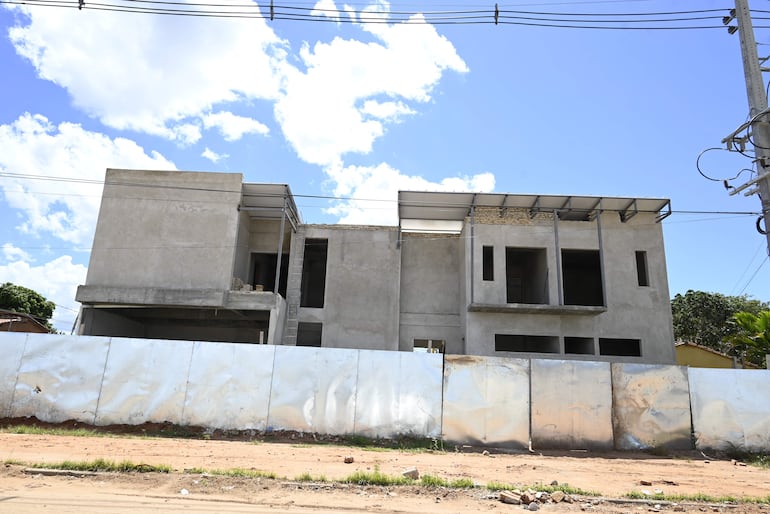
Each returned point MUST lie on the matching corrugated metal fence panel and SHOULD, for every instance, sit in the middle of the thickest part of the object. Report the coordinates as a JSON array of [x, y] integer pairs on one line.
[[59, 377], [313, 390], [144, 381], [229, 386], [486, 401], [651, 407], [730, 408], [12, 345], [571, 404], [398, 394]]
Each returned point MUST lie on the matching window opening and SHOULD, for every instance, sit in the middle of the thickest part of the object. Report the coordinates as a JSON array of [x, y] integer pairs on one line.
[[526, 275], [582, 277], [309, 334], [263, 272], [579, 345], [526, 343], [642, 277], [314, 273], [429, 345], [488, 262], [620, 347]]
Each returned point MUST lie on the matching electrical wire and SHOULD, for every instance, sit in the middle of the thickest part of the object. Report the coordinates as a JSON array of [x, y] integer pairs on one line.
[[28, 176], [754, 274], [288, 12], [697, 165]]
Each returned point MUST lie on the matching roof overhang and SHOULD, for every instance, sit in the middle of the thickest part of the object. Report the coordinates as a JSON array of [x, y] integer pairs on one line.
[[418, 208], [270, 202]]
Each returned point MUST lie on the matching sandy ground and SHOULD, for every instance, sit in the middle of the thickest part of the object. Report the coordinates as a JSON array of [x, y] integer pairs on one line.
[[610, 475]]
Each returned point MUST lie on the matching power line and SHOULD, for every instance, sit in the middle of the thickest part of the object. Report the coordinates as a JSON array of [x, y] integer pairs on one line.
[[27, 176], [287, 12]]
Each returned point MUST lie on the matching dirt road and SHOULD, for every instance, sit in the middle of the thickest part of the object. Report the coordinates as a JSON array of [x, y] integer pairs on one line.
[[610, 475]]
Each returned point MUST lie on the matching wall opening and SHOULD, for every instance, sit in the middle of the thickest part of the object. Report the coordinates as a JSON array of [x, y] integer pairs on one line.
[[263, 272], [309, 334], [488, 262], [579, 345], [526, 343], [526, 275], [642, 277], [582, 277], [313, 287], [620, 347], [429, 345]]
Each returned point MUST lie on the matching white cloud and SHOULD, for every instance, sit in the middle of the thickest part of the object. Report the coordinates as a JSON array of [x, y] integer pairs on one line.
[[57, 280], [351, 88], [13, 253], [57, 205], [375, 191], [213, 156], [186, 133], [232, 126], [154, 74], [325, 8], [391, 111]]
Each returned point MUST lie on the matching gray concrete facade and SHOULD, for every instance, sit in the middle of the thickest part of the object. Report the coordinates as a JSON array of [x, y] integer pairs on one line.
[[193, 256]]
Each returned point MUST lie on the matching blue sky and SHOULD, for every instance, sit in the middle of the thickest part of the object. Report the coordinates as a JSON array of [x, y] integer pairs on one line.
[[361, 110]]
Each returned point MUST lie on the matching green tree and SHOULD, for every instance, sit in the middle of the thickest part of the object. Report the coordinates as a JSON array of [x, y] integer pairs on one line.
[[752, 340], [21, 299], [707, 318]]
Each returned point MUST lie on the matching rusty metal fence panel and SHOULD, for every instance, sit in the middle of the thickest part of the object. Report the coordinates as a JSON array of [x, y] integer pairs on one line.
[[144, 381], [486, 401], [228, 386], [571, 404], [59, 377], [398, 394], [651, 407], [313, 390], [730, 409]]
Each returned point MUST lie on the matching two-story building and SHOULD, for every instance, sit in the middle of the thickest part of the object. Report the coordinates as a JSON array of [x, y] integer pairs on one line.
[[204, 256]]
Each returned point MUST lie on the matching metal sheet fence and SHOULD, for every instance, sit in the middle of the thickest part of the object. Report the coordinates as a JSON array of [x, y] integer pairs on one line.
[[651, 407], [486, 401], [571, 404], [12, 350], [477, 400], [730, 409]]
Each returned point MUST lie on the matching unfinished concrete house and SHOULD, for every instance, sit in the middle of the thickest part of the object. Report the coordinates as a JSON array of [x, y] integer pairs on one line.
[[203, 256]]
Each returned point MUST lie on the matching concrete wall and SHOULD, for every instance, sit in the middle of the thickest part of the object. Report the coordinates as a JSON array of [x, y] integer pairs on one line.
[[632, 307], [166, 229], [553, 404], [361, 308], [631, 312], [430, 290]]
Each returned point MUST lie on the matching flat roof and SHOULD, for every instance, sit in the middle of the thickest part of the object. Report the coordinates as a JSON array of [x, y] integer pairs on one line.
[[425, 205]]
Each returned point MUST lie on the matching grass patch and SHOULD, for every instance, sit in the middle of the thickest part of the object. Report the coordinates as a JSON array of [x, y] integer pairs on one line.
[[307, 477], [242, 473], [565, 488], [434, 481], [105, 465], [36, 430], [375, 477], [697, 497], [760, 461], [404, 444]]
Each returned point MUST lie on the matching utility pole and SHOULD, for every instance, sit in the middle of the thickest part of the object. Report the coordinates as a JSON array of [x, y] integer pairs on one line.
[[758, 126]]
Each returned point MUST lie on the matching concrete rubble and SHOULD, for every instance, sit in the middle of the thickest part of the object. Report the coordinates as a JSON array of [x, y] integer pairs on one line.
[[533, 499]]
